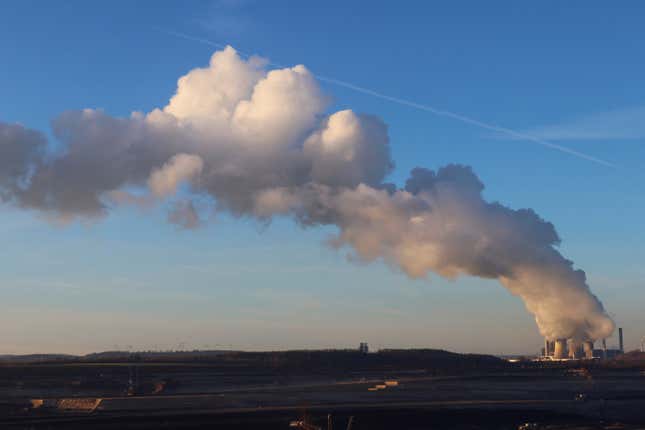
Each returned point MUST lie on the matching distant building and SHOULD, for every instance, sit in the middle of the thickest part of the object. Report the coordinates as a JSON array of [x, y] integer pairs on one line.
[[363, 348], [571, 349]]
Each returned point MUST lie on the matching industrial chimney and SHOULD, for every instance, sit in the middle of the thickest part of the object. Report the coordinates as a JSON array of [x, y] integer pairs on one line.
[[604, 349], [620, 339]]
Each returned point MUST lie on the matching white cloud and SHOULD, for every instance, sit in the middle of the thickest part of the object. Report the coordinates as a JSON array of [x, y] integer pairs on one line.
[[349, 149], [164, 181], [284, 105], [260, 145], [211, 94]]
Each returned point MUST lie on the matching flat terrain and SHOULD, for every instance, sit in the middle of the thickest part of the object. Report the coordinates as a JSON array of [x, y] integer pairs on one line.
[[237, 395]]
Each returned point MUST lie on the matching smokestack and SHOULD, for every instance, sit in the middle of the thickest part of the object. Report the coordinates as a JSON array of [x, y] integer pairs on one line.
[[604, 349], [560, 349], [620, 339], [546, 348], [587, 346]]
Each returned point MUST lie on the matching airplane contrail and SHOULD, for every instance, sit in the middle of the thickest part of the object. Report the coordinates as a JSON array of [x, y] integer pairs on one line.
[[418, 106]]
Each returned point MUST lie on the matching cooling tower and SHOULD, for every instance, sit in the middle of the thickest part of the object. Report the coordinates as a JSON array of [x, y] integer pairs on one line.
[[560, 349], [587, 347], [574, 349]]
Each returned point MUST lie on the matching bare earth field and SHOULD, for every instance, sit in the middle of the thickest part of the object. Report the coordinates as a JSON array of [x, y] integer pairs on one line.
[[216, 395]]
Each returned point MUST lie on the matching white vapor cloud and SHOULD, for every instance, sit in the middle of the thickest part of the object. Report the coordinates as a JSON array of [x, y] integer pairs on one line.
[[181, 167], [511, 133], [261, 143]]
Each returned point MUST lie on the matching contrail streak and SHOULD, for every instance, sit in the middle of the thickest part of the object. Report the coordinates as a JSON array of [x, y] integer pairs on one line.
[[418, 106]]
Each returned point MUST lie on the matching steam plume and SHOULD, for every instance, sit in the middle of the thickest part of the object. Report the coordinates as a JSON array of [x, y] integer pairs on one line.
[[262, 144]]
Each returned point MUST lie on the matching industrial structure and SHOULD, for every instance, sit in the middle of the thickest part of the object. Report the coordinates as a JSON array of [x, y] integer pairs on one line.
[[571, 349]]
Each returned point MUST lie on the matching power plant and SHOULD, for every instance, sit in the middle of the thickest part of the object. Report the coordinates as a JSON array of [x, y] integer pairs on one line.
[[572, 349]]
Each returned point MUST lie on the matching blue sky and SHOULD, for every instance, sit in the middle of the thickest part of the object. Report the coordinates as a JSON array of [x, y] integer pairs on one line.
[[571, 74]]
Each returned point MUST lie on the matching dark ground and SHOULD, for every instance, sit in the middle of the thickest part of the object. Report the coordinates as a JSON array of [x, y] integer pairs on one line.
[[436, 390], [364, 418]]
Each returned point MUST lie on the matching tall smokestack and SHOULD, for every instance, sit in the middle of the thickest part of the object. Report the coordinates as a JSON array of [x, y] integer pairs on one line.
[[604, 349], [620, 339], [560, 349]]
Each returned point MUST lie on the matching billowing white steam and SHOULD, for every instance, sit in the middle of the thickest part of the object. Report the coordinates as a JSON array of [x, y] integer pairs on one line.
[[261, 144]]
